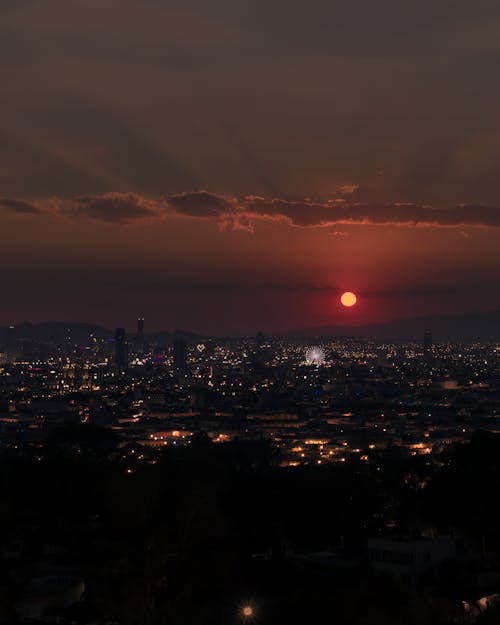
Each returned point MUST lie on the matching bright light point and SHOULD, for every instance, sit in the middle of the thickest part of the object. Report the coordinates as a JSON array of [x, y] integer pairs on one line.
[[348, 299], [248, 611]]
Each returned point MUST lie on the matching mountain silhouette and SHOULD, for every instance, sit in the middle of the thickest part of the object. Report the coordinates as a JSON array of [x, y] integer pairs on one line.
[[453, 327]]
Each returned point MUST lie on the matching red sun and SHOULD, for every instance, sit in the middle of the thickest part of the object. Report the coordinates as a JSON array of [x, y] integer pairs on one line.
[[348, 299]]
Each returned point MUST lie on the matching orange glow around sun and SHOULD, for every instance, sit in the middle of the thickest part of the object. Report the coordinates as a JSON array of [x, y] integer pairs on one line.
[[348, 299]]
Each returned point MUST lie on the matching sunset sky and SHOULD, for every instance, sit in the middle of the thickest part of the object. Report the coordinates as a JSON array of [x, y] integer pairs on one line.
[[228, 166]]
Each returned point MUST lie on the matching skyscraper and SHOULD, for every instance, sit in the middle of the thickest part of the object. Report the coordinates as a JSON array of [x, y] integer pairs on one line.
[[120, 349], [180, 354], [10, 343], [139, 341]]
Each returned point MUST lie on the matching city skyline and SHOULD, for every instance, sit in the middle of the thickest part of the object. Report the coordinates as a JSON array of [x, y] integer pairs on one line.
[[459, 328]]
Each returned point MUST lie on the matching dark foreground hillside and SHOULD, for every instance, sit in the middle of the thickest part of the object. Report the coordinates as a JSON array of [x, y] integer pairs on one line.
[[221, 534]]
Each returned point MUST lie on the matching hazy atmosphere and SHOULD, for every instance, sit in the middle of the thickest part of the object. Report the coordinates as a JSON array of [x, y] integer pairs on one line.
[[225, 167]]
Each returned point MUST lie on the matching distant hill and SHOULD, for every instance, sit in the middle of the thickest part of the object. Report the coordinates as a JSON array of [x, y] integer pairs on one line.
[[57, 331], [455, 327], [463, 327]]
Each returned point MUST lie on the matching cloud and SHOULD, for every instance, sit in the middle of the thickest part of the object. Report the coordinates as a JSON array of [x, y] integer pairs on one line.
[[348, 189], [243, 214], [114, 208], [18, 206], [234, 214], [201, 204], [74, 92]]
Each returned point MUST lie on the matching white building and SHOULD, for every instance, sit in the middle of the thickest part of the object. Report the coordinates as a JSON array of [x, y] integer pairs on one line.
[[408, 558]]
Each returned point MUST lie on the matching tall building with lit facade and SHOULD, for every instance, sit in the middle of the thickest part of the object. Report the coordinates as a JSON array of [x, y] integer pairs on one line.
[[139, 340], [10, 343], [180, 354]]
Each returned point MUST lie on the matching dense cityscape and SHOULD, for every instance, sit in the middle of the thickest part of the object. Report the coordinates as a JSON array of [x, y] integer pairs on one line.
[[250, 315], [333, 461], [314, 402]]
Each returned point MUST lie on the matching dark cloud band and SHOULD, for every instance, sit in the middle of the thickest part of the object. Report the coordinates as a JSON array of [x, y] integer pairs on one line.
[[244, 213], [18, 206]]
